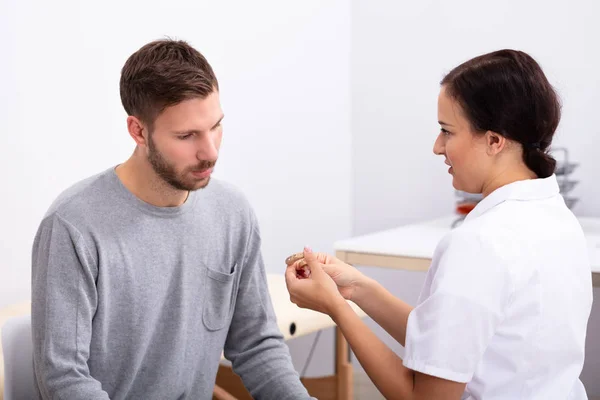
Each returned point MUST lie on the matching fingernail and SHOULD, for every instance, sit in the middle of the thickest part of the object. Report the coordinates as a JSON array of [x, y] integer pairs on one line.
[[307, 249]]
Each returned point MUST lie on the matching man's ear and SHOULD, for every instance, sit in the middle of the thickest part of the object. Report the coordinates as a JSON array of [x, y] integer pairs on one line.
[[137, 130]]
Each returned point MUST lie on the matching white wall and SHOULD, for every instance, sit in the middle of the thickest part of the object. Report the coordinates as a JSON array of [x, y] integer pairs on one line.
[[284, 74], [284, 70], [400, 52]]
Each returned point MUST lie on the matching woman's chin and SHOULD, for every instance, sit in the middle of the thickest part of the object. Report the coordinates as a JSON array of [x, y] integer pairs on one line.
[[455, 184]]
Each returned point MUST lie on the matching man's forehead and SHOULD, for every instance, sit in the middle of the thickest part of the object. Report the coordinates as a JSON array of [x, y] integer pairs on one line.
[[191, 114]]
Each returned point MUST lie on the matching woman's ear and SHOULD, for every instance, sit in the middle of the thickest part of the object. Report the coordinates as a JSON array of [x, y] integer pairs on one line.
[[495, 142]]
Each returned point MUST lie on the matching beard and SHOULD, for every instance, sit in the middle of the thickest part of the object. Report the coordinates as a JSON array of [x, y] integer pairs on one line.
[[168, 172]]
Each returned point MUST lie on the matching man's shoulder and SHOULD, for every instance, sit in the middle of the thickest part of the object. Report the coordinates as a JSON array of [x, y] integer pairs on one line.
[[80, 198]]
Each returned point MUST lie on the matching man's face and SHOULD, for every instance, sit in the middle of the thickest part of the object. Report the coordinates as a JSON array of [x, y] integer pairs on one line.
[[184, 145]]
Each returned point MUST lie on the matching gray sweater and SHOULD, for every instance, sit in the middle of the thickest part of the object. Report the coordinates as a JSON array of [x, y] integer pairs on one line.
[[133, 301]]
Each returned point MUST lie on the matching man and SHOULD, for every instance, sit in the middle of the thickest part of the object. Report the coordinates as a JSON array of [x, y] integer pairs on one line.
[[139, 279]]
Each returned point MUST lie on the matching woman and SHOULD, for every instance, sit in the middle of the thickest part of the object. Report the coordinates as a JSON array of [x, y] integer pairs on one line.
[[505, 304]]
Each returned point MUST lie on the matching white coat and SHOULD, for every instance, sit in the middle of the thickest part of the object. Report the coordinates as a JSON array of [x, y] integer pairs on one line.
[[506, 301]]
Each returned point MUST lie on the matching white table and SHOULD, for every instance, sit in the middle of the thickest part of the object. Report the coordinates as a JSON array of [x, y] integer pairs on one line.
[[411, 246]]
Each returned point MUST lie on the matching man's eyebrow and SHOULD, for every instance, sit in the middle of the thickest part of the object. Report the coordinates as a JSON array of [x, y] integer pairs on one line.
[[195, 131]]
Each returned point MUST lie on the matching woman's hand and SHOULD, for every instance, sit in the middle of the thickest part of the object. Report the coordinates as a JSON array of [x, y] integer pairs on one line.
[[315, 290], [346, 277]]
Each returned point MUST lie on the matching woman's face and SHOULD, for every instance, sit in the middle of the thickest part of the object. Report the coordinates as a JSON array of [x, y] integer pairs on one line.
[[464, 150]]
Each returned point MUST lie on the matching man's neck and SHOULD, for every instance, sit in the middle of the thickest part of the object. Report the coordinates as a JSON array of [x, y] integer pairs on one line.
[[140, 179]]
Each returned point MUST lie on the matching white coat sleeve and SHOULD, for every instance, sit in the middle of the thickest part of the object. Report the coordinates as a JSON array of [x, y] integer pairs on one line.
[[466, 293]]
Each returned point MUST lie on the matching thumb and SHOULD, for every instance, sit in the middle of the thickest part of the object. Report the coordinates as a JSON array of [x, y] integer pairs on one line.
[[311, 259]]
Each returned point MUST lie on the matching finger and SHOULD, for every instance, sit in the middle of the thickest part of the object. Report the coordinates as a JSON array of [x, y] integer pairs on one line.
[[302, 269], [303, 272], [300, 264], [323, 258], [290, 277], [311, 260]]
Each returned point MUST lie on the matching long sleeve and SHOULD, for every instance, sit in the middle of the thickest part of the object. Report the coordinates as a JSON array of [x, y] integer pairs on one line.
[[64, 301], [254, 343]]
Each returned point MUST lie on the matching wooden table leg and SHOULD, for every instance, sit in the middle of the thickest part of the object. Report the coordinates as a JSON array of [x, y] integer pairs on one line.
[[221, 394], [339, 386], [343, 367]]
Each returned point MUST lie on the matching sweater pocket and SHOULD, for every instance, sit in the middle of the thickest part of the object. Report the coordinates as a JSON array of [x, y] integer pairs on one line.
[[218, 299]]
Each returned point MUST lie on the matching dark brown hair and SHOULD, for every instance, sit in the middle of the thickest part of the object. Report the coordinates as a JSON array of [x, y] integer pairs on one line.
[[507, 92], [161, 74]]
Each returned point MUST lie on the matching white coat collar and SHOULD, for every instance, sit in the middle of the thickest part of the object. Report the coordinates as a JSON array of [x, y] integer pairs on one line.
[[526, 190]]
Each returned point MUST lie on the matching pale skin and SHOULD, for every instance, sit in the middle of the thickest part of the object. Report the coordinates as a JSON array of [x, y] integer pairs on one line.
[[186, 137], [480, 162]]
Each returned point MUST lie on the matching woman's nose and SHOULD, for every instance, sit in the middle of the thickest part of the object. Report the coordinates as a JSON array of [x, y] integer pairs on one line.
[[438, 146]]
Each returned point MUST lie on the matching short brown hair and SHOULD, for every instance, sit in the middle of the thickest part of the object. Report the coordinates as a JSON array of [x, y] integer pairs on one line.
[[163, 73]]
